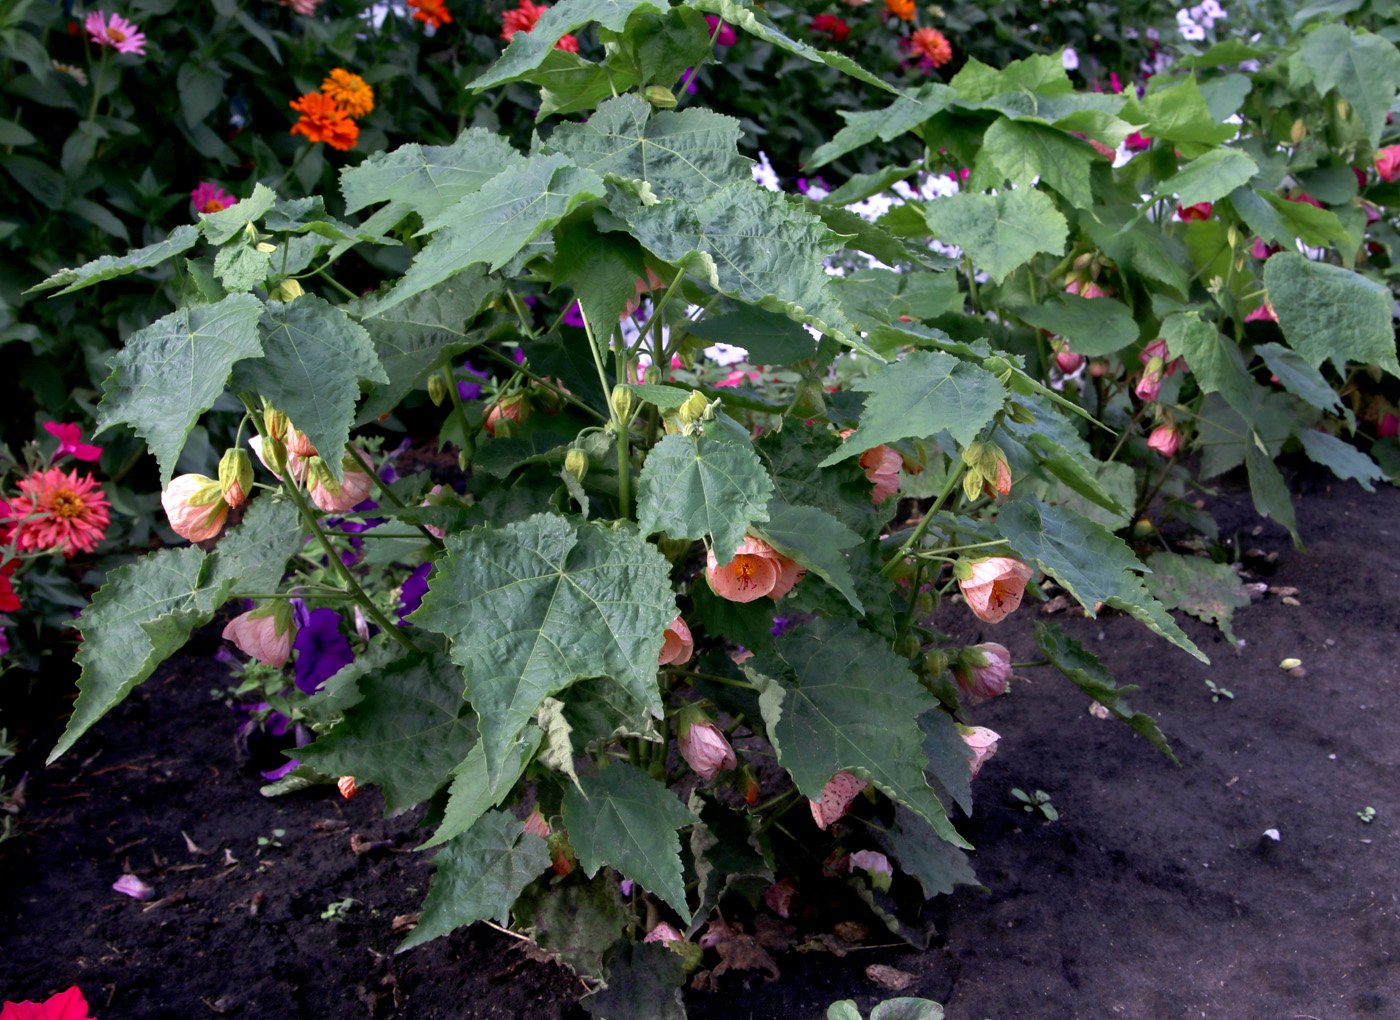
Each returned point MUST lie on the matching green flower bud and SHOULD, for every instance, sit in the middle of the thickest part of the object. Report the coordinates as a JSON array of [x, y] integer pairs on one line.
[[810, 399], [673, 549], [935, 663], [1021, 414], [274, 455], [287, 290], [621, 402], [576, 463], [437, 389], [660, 97], [235, 476], [695, 408], [505, 428], [652, 375], [275, 422], [908, 646]]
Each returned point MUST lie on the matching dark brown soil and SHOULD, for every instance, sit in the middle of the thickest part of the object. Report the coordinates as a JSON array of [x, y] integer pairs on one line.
[[1155, 896]]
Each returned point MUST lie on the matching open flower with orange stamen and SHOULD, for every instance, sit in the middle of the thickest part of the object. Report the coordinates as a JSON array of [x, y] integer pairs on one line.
[[323, 120], [756, 569], [349, 91], [432, 13], [208, 197], [60, 511], [932, 45], [993, 587]]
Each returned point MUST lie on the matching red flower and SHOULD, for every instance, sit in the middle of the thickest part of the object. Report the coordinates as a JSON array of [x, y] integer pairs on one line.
[[9, 601], [832, 27], [1199, 211], [524, 18], [70, 441], [69, 1005], [432, 13]]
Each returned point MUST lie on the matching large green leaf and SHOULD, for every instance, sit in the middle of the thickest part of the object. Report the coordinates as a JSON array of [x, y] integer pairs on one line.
[[1041, 74], [644, 983], [182, 238], [839, 700], [410, 727], [769, 338], [1276, 219], [1021, 152], [1209, 177], [728, 847], [576, 921], [479, 876], [1091, 326], [683, 155], [904, 114], [754, 245], [527, 50], [794, 458], [219, 226], [1364, 69], [999, 232], [314, 356], [922, 395], [1129, 241], [693, 485], [171, 372], [1269, 490], [508, 212], [937, 865], [142, 615], [473, 793], [428, 179], [1089, 561], [624, 819], [1197, 585], [1329, 312], [1086, 672], [1080, 472], [242, 265], [816, 540], [603, 268], [1178, 114], [1298, 377], [536, 605], [1216, 363], [1345, 460], [882, 296]]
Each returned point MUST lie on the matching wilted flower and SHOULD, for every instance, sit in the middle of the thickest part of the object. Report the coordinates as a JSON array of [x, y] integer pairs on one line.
[[116, 33], [982, 671], [677, 646], [1165, 439], [66, 512], [322, 120], [841, 789], [264, 633], [536, 824], [432, 13], [346, 786], [664, 932], [702, 744], [70, 441], [993, 587], [76, 73], [351, 92], [1388, 163], [755, 570], [195, 506], [69, 1005], [931, 45], [130, 885], [208, 197], [982, 742]]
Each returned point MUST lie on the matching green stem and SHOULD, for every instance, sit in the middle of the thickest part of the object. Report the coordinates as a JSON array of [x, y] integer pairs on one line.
[[903, 627], [624, 478], [1146, 500], [263, 596], [1029, 665], [960, 548], [520, 313], [321, 272], [540, 380], [972, 285], [924, 522], [458, 408], [392, 497], [711, 677], [773, 801]]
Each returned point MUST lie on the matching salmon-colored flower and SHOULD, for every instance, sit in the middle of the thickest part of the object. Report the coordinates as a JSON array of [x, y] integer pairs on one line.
[[298, 445], [996, 481], [982, 742], [235, 476], [265, 633], [290, 462], [930, 44], [982, 671], [1388, 163], [703, 746], [1159, 365], [511, 408], [536, 825], [208, 197], [322, 120], [881, 466], [678, 645], [1085, 289], [195, 506], [756, 569], [66, 512], [432, 13], [338, 497], [1165, 439], [346, 786], [349, 91], [841, 789], [993, 587], [901, 9]]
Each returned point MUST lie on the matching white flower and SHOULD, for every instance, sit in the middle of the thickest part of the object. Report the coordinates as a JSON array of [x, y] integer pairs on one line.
[[726, 354], [1212, 9], [1070, 59], [763, 173], [1193, 32]]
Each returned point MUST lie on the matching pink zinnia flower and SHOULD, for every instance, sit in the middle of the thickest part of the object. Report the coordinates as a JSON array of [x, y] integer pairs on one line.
[[726, 36], [841, 789], [993, 587], [756, 569], [69, 1005], [678, 645], [208, 197], [66, 512], [117, 33], [70, 441]]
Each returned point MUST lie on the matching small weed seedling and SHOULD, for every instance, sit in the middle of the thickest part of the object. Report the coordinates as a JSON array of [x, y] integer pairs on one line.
[[274, 840], [1367, 814], [1039, 800], [336, 911], [1216, 693]]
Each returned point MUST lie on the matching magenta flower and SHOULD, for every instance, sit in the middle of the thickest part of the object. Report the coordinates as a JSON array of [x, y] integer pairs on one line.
[[210, 198], [726, 36], [70, 441], [116, 33]]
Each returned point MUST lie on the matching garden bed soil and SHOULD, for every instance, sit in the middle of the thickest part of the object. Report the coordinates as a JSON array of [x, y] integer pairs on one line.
[[1155, 896]]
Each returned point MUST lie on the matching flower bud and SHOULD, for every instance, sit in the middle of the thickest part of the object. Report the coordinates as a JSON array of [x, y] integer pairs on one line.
[[935, 662], [702, 744], [1068, 362], [1098, 368], [504, 429], [195, 507], [810, 399], [652, 375], [437, 389], [660, 97], [298, 445], [924, 604], [996, 472], [695, 408], [235, 476], [748, 784], [265, 248], [1020, 413], [1165, 439], [576, 463], [504, 413], [621, 401], [875, 864], [346, 786], [561, 851], [275, 422], [1298, 132], [287, 290], [908, 646], [982, 671]]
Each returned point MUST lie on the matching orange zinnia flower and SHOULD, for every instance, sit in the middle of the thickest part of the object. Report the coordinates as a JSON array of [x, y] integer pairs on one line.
[[59, 512], [432, 13], [930, 43], [901, 9], [322, 120], [351, 92]]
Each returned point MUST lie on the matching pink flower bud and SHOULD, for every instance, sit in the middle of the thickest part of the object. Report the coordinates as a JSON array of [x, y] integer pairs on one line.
[[1069, 362], [664, 932], [130, 885], [993, 587], [1098, 368], [1150, 384], [1389, 426], [1388, 163], [235, 476], [1165, 440], [1264, 313], [1092, 290], [982, 742], [677, 646], [536, 824], [1199, 211], [433, 529], [195, 507], [756, 569], [841, 789], [259, 636], [705, 750], [346, 786], [983, 670]]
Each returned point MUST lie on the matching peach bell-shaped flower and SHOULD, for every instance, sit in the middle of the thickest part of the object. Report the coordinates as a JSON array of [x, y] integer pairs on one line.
[[982, 671], [702, 744], [678, 645], [333, 498], [195, 506], [982, 742], [1165, 439], [992, 587], [265, 633], [755, 570]]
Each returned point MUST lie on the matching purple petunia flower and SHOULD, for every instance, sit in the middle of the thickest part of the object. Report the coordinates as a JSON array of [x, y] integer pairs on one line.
[[272, 775], [470, 390], [322, 650], [415, 586], [355, 527], [573, 317]]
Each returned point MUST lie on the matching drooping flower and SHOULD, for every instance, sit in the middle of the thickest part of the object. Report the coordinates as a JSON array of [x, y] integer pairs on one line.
[[264, 633], [1159, 365], [1388, 163], [69, 1005], [511, 408], [70, 441], [1067, 361], [322, 120], [432, 13], [982, 671], [1085, 289], [677, 646], [982, 742], [536, 824], [993, 587], [881, 465], [840, 790], [235, 476], [195, 506], [115, 33], [66, 512], [901, 9], [322, 650], [305, 8], [932, 45], [9, 601], [756, 569], [351, 92], [208, 197], [346, 786], [702, 744], [337, 497], [1264, 313], [1199, 211], [433, 529], [832, 27], [872, 861], [726, 36], [1165, 439]]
